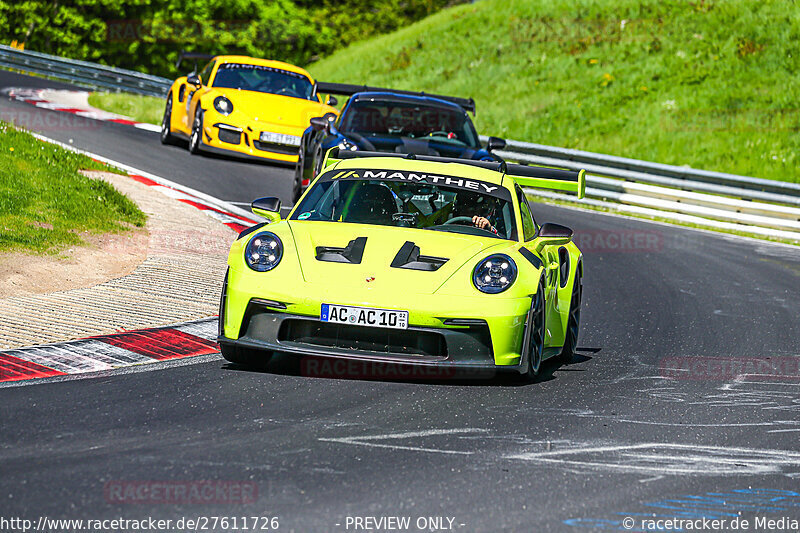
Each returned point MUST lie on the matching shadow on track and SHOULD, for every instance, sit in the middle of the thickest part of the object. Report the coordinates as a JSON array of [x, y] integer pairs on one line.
[[183, 144], [331, 368]]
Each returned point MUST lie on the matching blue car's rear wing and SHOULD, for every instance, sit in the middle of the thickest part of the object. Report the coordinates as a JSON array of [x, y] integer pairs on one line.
[[348, 89]]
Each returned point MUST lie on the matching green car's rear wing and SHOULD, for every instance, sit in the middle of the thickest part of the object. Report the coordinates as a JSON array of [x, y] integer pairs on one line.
[[549, 178], [555, 179]]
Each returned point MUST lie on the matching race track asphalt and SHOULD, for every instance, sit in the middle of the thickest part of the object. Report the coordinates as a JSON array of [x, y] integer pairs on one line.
[[586, 445]]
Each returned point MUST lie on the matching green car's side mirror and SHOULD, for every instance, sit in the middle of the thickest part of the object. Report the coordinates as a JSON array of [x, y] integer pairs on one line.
[[269, 208], [554, 234]]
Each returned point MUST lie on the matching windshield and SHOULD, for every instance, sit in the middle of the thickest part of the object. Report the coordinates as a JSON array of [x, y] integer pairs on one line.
[[264, 80], [411, 200], [406, 119]]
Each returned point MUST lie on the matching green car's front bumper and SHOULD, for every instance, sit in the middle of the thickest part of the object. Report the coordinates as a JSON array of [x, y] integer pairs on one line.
[[463, 334]]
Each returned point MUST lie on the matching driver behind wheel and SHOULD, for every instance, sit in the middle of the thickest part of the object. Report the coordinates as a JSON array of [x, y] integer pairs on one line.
[[470, 204]]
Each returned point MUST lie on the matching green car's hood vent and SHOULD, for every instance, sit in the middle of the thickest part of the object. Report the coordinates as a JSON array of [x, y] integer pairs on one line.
[[409, 257], [352, 253], [394, 259]]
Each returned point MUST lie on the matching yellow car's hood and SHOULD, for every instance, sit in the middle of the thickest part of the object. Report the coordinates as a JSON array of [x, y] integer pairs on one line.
[[375, 272], [273, 109]]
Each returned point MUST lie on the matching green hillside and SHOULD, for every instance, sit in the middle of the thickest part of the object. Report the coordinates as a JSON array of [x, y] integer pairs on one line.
[[709, 83]]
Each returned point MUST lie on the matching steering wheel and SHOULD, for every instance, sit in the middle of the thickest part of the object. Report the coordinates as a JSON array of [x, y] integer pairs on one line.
[[438, 133], [459, 220], [286, 90]]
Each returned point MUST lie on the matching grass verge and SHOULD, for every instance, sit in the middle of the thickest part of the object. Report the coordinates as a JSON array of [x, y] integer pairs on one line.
[[45, 203], [147, 109]]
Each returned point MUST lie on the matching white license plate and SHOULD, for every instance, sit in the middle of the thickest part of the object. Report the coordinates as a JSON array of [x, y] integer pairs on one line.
[[279, 138], [364, 316]]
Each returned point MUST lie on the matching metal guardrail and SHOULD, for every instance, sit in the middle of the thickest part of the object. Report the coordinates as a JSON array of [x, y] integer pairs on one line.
[[83, 73], [755, 205], [621, 165]]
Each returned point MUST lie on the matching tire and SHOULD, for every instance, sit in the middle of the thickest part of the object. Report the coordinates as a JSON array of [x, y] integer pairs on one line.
[[573, 322], [297, 185], [534, 334], [166, 129], [196, 139], [255, 359], [317, 162]]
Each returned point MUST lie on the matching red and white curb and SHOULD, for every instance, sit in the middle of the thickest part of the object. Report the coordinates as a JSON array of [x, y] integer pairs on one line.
[[110, 352], [235, 222], [39, 98]]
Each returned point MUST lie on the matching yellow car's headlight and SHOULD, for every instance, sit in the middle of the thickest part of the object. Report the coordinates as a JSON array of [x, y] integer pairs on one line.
[[223, 105]]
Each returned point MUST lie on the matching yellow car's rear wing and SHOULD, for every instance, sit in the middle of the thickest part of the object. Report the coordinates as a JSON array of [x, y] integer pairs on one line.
[[573, 181]]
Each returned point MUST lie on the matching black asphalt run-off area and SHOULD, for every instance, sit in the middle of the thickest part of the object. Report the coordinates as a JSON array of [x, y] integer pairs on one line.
[[588, 444]]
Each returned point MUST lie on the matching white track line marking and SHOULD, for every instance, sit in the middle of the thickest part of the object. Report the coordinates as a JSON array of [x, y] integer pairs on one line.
[[369, 440]]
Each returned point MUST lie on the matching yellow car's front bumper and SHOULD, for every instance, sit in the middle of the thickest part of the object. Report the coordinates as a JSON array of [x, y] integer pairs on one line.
[[244, 139]]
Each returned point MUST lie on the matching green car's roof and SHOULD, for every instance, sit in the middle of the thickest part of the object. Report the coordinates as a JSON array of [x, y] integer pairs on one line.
[[456, 169]]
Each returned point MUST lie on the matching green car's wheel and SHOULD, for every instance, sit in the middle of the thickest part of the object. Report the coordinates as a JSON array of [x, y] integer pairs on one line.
[[534, 333], [197, 132], [247, 358], [573, 323], [166, 129]]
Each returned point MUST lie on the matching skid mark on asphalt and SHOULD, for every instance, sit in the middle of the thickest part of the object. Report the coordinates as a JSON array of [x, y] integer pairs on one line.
[[373, 440], [110, 352], [651, 458], [770, 396], [668, 459]]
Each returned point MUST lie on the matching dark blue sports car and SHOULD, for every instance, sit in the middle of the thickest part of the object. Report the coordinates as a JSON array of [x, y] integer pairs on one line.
[[386, 120]]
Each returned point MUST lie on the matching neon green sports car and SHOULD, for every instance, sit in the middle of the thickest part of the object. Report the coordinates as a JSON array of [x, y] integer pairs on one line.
[[407, 259]]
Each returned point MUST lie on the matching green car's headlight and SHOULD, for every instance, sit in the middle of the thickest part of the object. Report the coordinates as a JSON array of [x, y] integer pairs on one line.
[[263, 252], [494, 274], [223, 105]]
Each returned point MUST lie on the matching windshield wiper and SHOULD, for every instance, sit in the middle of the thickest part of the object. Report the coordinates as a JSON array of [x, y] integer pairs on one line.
[[464, 230]]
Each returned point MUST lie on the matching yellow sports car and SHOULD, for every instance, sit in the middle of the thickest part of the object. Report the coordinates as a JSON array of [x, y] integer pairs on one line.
[[243, 106]]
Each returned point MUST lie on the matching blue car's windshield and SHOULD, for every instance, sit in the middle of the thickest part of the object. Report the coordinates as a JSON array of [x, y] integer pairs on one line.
[[438, 203], [264, 80], [372, 118]]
